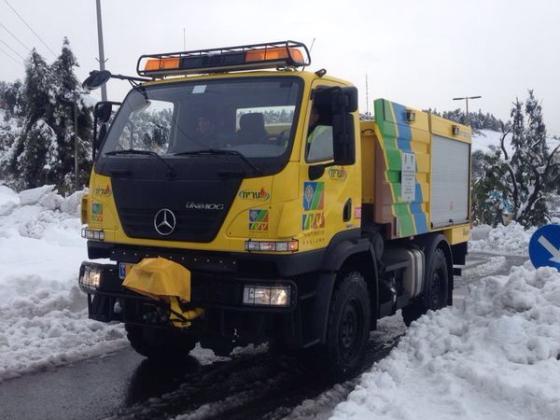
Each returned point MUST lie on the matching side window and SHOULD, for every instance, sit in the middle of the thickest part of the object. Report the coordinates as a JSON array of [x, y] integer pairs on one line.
[[319, 146]]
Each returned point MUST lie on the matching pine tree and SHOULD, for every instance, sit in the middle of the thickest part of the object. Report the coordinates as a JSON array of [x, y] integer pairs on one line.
[[39, 155], [68, 99], [524, 176], [29, 161]]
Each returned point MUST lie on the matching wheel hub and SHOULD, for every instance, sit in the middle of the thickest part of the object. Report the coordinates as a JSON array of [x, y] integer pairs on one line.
[[349, 329]]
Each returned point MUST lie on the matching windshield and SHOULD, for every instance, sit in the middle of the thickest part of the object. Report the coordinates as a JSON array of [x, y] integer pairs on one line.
[[253, 117]]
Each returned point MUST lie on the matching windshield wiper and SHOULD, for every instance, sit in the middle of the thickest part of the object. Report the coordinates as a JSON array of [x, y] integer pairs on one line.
[[256, 170], [171, 170]]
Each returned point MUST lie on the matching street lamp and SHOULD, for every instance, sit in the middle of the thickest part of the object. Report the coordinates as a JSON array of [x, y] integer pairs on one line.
[[466, 99]]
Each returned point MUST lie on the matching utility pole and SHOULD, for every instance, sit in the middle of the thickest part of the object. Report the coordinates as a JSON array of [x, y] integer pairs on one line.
[[184, 39], [367, 97], [101, 51], [466, 99]]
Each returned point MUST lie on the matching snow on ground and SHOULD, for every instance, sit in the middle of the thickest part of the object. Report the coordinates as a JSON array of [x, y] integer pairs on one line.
[[512, 239], [43, 317], [43, 314], [494, 355]]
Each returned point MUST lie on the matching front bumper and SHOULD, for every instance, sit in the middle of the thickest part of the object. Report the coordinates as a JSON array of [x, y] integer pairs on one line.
[[108, 300]]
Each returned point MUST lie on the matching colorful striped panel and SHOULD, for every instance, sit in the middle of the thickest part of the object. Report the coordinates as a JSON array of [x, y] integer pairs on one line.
[[401, 136]]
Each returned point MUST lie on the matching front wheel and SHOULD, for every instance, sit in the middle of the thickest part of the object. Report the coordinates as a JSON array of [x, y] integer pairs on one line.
[[158, 344], [348, 327], [436, 287]]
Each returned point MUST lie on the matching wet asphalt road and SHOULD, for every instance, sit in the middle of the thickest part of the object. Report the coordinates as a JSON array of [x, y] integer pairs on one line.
[[262, 385]]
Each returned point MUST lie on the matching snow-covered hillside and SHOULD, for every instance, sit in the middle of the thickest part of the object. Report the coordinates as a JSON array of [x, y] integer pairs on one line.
[[486, 139]]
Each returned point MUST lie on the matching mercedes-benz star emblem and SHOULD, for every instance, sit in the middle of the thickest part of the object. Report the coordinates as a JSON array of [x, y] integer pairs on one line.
[[165, 222]]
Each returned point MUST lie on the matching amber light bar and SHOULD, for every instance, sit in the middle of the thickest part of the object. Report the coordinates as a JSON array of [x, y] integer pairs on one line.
[[246, 57]]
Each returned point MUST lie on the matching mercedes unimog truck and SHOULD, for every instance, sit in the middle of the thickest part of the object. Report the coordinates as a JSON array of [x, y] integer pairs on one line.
[[238, 198]]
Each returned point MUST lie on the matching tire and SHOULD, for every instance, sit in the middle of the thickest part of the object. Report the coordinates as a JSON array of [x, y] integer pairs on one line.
[[348, 328], [436, 289], [159, 345]]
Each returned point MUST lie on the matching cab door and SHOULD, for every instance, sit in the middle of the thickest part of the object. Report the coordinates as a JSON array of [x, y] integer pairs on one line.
[[331, 194]]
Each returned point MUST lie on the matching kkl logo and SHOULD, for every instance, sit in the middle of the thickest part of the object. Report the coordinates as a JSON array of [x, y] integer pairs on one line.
[[262, 195]]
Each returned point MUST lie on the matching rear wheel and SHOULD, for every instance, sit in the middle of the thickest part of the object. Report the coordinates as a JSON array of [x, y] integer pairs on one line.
[[158, 344], [348, 328], [436, 289]]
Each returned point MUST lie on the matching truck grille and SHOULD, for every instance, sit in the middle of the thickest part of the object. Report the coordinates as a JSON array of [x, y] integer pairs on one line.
[[139, 200], [191, 226]]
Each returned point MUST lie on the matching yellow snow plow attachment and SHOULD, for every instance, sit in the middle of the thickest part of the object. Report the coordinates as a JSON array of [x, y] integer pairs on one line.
[[164, 280]]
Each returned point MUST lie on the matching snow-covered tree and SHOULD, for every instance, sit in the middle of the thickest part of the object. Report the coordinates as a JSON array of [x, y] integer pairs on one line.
[[34, 111], [26, 161], [523, 175], [38, 157], [67, 98]]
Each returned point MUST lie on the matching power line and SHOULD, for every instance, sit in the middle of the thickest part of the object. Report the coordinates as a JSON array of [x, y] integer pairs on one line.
[[15, 37], [9, 56], [29, 27], [12, 50]]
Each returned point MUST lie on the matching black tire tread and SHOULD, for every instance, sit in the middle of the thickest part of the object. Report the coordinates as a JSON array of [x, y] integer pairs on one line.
[[350, 282], [419, 307], [168, 346]]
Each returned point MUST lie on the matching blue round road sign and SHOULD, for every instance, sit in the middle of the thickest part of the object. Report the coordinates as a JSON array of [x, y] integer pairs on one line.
[[544, 247]]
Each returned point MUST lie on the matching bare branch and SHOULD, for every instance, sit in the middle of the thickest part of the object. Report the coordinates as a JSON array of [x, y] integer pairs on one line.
[[505, 132]]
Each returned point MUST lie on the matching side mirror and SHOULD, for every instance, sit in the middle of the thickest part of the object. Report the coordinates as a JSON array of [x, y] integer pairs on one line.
[[96, 79], [344, 143], [336, 99], [103, 111], [101, 115]]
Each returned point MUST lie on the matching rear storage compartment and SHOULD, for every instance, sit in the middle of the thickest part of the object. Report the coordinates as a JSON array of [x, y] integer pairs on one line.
[[416, 171]]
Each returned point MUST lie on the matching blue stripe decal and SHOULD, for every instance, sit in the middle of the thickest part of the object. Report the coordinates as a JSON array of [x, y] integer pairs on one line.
[[405, 133], [417, 212]]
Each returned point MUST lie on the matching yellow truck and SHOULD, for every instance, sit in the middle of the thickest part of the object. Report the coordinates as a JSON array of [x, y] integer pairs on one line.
[[240, 199]]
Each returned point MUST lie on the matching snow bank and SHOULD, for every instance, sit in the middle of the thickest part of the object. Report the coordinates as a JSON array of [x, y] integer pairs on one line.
[[43, 316], [510, 239], [9, 200], [494, 356]]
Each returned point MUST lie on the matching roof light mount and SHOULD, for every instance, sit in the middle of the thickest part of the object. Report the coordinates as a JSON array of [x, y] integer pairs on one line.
[[283, 54]]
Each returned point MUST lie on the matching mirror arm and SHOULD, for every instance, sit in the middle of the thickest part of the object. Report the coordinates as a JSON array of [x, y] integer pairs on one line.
[[130, 78]]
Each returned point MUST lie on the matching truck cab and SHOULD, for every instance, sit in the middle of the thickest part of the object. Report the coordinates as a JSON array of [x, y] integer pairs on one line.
[[240, 199]]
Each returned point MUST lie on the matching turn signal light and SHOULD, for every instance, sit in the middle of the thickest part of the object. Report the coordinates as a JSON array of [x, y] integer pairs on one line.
[[275, 54], [83, 210], [157, 64], [95, 234], [272, 246]]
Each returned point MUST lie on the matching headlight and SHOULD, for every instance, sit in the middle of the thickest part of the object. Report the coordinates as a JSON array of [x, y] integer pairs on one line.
[[94, 234], [266, 295], [90, 277], [272, 246]]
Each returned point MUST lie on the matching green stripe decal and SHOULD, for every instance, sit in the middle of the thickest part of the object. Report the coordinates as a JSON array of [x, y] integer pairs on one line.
[[396, 140]]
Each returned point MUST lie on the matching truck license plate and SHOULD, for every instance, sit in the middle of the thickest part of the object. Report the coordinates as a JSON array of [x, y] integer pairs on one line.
[[124, 269]]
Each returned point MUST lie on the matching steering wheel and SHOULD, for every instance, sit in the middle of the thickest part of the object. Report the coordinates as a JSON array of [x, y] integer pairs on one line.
[[279, 139]]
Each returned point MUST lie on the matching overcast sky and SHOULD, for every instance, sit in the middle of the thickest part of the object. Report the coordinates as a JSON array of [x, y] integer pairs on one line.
[[419, 53]]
